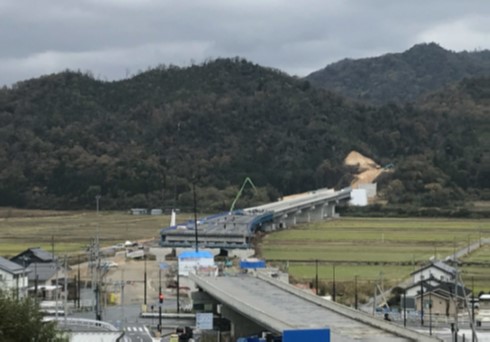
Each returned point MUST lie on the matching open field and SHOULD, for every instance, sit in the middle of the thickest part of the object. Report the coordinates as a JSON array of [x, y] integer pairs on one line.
[[73, 231], [372, 248]]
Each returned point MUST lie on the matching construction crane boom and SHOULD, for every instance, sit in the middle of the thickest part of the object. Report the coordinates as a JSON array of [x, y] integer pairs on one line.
[[247, 180]]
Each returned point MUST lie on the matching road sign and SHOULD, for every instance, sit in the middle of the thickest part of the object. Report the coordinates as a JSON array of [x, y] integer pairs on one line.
[[204, 321]]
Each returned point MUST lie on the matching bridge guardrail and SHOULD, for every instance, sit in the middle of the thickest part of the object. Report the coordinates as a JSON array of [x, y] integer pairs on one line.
[[82, 322], [349, 312]]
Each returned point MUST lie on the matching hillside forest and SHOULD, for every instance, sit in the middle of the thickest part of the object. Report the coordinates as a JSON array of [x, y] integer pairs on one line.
[[146, 140]]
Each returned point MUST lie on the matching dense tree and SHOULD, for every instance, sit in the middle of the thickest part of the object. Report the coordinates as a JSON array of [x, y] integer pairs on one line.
[[143, 141], [21, 320]]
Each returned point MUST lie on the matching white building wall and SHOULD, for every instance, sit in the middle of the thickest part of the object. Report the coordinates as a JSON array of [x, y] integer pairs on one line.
[[6, 280], [359, 197], [371, 189], [10, 282], [431, 272]]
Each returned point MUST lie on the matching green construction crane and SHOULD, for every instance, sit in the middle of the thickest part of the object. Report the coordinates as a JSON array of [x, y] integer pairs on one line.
[[247, 180]]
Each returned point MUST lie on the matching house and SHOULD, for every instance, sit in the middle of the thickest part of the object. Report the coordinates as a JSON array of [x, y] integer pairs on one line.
[[13, 278], [32, 255], [43, 279], [445, 298], [435, 270], [41, 270], [45, 274], [138, 211]]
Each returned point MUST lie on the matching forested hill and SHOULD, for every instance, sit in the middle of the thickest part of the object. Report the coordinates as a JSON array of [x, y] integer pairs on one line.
[[401, 77], [143, 141], [469, 103]]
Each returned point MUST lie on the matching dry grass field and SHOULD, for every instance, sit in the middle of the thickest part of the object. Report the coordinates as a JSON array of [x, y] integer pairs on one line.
[[73, 231]]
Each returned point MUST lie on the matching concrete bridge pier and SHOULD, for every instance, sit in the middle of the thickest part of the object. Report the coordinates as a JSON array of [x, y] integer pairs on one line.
[[240, 326], [303, 216], [318, 213], [329, 210], [286, 221]]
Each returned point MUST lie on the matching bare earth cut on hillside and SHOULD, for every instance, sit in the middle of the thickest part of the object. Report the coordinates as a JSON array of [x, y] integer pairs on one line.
[[367, 169]]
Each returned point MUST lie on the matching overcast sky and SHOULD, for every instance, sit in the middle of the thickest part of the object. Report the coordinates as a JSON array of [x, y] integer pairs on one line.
[[117, 38]]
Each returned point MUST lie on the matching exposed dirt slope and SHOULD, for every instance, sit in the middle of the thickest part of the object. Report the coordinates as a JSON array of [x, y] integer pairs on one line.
[[367, 169]]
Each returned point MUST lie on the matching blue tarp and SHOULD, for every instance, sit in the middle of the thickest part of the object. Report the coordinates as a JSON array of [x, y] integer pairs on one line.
[[310, 335], [196, 255], [252, 264]]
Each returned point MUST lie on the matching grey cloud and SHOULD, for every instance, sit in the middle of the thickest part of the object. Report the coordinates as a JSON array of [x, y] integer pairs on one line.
[[110, 37]]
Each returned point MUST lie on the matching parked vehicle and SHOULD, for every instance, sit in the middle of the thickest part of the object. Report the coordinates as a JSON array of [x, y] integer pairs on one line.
[[483, 315]]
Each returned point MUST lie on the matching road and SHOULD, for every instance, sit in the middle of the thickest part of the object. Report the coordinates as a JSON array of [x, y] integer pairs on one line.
[[135, 327], [136, 333]]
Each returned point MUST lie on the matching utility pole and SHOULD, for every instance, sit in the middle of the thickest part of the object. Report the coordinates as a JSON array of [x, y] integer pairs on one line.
[[98, 315], [98, 310], [454, 249], [422, 300], [159, 299], [355, 292], [374, 299], [178, 290], [430, 313], [97, 198], [56, 282], [333, 285], [65, 290], [456, 328], [122, 299], [52, 246], [473, 337], [195, 216], [316, 276], [36, 280], [405, 307], [78, 283], [145, 283]]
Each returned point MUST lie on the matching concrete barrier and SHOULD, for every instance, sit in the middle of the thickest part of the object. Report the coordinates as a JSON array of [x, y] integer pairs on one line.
[[351, 313], [246, 310]]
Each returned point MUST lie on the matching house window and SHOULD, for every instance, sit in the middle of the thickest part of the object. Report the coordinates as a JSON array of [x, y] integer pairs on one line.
[[427, 304]]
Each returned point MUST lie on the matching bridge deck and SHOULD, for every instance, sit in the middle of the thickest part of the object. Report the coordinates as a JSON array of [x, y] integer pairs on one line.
[[278, 309]]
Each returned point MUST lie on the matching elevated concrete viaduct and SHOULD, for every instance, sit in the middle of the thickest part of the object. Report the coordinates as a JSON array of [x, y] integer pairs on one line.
[[254, 303], [235, 230]]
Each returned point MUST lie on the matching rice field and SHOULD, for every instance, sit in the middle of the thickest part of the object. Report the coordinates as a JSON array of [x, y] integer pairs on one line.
[[378, 248], [373, 249]]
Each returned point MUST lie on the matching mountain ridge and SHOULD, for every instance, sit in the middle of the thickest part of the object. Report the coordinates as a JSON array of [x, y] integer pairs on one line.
[[401, 77]]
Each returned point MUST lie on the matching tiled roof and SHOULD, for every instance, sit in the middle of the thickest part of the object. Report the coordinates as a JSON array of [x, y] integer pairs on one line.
[[43, 271], [10, 267], [31, 255], [445, 289], [437, 264], [42, 254]]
